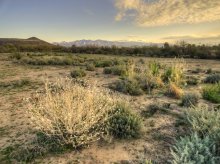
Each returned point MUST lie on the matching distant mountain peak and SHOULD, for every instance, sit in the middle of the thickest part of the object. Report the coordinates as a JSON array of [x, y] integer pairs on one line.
[[33, 38]]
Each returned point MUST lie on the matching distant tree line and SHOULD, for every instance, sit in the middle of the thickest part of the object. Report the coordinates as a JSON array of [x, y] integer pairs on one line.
[[181, 49], [9, 48]]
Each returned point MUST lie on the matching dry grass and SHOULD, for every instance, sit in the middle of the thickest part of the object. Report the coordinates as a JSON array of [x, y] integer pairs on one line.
[[74, 113], [175, 91], [175, 72]]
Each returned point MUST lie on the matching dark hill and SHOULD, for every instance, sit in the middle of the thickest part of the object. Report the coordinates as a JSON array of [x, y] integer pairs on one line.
[[30, 44], [33, 41]]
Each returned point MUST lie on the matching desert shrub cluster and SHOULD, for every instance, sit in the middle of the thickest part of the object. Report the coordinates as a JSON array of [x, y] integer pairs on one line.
[[108, 62], [50, 60], [137, 81]]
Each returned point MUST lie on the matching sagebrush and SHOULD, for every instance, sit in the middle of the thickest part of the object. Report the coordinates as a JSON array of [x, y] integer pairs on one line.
[[75, 113], [194, 150]]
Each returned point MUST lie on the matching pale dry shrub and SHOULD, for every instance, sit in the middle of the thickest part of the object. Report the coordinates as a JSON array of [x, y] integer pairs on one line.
[[73, 112]]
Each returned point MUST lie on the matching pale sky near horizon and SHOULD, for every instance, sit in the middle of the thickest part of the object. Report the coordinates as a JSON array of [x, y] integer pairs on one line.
[[196, 21]]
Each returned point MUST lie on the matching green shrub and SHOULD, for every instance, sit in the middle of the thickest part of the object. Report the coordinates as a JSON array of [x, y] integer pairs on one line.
[[197, 70], [215, 78], [148, 82], [107, 70], [78, 73], [194, 150], [204, 121], [15, 84], [212, 93], [119, 70], [154, 68], [128, 86], [189, 100], [209, 71], [123, 123], [16, 55], [90, 67], [191, 80], [152, 109], [104, 63]]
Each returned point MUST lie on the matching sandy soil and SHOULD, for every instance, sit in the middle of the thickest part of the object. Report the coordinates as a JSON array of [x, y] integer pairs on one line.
[[159, 130]]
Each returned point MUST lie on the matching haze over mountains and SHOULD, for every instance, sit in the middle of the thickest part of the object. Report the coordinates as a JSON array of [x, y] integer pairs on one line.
[[105, 43]]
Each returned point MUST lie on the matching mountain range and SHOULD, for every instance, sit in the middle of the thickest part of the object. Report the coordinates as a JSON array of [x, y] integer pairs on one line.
[[33, 41], [106, 43]]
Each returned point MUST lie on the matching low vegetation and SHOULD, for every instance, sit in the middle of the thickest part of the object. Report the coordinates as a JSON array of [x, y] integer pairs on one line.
[[193, 149], [153, 109], [123, 123], [78, 73], [189, 100], [212, 93], [137, 81], [204, 121], [128, 86], [90, 67], [192, 80], [174, 91], [214, 78], [202, 146], [77, 115], [73, 113], [119, 70], [175, 73]]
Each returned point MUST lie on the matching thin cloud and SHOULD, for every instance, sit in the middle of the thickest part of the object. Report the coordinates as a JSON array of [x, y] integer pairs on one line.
[[193, 39], [88, 12], [166, 12]]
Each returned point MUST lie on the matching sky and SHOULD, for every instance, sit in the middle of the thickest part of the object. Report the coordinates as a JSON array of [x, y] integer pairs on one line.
[[195, 21]]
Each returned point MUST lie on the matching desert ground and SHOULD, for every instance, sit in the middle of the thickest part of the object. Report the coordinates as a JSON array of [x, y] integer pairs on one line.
[[20, 79]]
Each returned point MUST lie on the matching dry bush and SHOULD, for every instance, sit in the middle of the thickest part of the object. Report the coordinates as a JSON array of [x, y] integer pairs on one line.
[[74, 113]]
